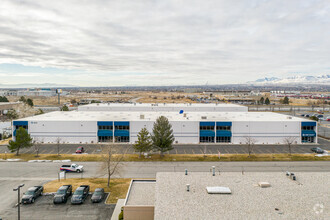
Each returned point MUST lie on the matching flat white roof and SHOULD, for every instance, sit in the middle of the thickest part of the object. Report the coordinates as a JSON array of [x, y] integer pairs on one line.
[[152, 116], [162, 105], [306, 198], [141, 192]]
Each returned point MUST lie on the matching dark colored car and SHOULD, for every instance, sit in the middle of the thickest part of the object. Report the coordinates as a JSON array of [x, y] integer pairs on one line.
[[307, 116], [80, 195], [32, 194], [80, 150], [62, 194], [98, 195], [317, 150]]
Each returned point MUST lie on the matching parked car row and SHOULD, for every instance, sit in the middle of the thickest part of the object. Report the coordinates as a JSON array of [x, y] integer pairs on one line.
[[319, 116], [63, 193]]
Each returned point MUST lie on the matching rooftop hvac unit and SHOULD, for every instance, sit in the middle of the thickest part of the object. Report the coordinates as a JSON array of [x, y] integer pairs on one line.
[[264, 184], [141, 116], [204, 117], [289, 117]]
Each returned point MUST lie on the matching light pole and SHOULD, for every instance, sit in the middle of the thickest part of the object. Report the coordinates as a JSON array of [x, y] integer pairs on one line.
[[18, 201]]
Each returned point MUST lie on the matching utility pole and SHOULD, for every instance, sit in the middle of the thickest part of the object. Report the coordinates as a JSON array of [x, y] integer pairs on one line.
[[18, 200], [59, 91]]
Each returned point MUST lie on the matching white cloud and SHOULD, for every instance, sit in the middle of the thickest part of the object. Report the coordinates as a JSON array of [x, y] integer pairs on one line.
[[166, 42]]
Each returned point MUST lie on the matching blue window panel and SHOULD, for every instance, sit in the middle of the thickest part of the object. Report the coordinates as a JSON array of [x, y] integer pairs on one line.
[[207, 123], [104, 133], [122, 123], [26, 123], [308, 123], [124, 133], [205, 133], [224, 133], [104, 123], [224, 123], [308, 133]]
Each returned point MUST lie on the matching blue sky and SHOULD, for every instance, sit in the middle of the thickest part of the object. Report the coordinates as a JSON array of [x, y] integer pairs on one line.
[[175, 42]]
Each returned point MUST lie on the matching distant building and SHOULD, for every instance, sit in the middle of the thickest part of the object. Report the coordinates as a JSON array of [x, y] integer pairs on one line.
[[36, 92], [31, 92], [8, 93]]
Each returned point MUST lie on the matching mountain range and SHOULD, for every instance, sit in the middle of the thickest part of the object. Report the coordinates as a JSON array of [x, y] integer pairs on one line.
[[321, 79], [36, 85]]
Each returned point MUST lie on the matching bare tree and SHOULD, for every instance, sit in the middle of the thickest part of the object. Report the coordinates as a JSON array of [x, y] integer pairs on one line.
[[111, 162], [249, 142], [289, 141], [58, 143], [37, 145], [204, 150]]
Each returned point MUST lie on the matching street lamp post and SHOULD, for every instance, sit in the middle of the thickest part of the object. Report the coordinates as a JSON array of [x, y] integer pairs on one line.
[[18, 201]]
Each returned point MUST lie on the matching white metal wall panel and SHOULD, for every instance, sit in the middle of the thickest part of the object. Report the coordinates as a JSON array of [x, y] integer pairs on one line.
[[271, 132], [66, 131]]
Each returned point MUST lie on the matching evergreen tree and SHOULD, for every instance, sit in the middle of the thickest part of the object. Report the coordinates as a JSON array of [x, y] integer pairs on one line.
[[29, 102], [144, 143], [22, 99], [23, 140], [286, 100], [162, 136], [267, 102], [65, 108], [262, 100], [3, 99]]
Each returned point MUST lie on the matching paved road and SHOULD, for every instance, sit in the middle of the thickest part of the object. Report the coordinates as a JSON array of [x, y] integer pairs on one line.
[[180, 149], [48, 171], [15, 173]]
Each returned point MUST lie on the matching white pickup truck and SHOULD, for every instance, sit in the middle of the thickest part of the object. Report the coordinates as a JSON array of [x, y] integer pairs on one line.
[[72, 168]]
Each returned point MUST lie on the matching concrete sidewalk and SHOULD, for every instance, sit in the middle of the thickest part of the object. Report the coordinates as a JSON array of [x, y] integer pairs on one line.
[[116, 212]]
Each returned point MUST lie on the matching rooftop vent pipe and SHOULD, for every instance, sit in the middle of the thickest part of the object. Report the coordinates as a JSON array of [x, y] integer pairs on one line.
[[188, 187], [185, 172], [213, 170]]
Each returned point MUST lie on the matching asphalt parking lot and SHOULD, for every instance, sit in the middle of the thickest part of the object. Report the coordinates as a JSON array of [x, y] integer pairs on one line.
[[180, 149], [43, 208]]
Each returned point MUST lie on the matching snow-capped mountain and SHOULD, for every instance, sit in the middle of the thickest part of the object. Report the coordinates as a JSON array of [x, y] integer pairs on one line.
[[321, 79]]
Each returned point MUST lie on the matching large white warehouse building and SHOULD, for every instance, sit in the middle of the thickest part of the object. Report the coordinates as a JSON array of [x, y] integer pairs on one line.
[[189, 127]]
